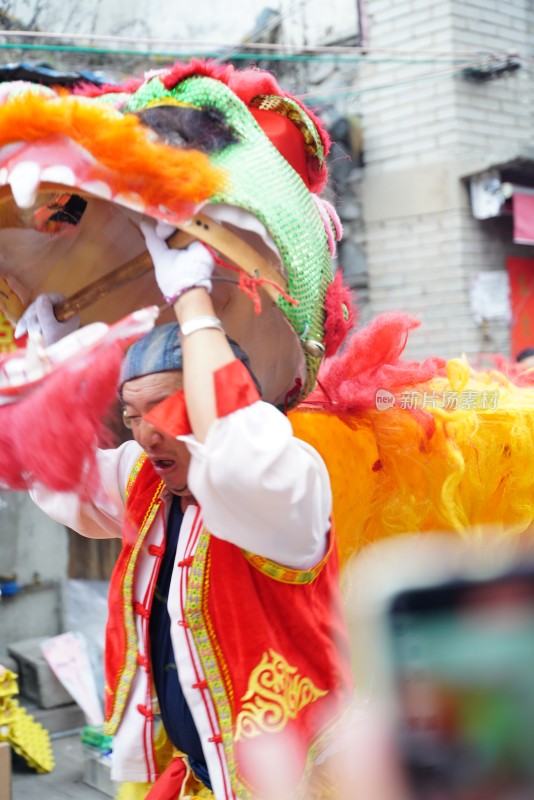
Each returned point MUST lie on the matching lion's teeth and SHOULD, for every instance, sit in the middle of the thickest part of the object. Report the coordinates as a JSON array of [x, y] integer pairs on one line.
[[24, 180], [131, 200], [98, 188], [59, 174]]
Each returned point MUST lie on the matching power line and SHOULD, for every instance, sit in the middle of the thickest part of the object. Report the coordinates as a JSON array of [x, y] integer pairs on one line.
[[216, 46], [339, 92], [331, 57], [353, 91], [326, 54]]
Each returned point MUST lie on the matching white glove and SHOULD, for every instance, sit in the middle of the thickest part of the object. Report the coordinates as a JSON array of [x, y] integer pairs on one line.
[[39, 318], [177, 270]]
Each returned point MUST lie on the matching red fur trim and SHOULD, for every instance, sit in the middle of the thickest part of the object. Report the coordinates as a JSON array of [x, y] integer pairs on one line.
[[249, 83], [317, 175], [323, 133], [340, 314], [208, 68], [349, 381], [50, 436], [245, 83], [90, 90], [317, 171]]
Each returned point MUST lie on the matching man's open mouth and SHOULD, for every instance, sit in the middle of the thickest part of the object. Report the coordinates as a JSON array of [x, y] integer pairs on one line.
[[162, 464]]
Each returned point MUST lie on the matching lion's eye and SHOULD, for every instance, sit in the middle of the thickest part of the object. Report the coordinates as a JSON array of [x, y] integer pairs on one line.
[[182, 126]]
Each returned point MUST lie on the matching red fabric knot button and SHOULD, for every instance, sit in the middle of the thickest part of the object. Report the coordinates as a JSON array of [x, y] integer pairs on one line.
[[141, 610], [217, 739], [146, 712], [183, 623], [154, 550], [203, 684], [186, 562]]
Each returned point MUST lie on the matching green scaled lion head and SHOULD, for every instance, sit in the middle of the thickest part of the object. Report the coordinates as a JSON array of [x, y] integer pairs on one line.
[[224, 155]]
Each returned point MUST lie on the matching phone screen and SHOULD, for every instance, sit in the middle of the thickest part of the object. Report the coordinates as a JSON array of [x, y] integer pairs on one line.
[[463, 671]]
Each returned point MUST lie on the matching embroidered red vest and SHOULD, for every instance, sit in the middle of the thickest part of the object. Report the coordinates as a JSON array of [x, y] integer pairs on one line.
[[272, 642], [121, 648]]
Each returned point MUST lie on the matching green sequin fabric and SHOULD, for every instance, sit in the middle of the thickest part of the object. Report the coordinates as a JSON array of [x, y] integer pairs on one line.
[[262, 182]]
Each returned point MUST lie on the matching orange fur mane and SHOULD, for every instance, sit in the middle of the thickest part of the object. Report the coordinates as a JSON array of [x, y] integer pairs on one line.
[[159, 173]]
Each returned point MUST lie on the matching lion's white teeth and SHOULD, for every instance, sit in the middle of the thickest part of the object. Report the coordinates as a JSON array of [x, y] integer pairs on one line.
[[98, 188], [59, 174], [24, 180]]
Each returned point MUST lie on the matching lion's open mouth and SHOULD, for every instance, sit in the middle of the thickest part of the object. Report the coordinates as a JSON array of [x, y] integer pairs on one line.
[[226, 158], [56, 237], [80, 168]]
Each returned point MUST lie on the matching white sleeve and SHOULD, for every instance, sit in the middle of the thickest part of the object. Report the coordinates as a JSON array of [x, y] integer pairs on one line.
[[261, 488], [102, 517]]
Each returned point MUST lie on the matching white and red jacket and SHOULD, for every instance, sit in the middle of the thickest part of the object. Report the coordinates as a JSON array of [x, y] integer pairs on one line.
[[257, 624]]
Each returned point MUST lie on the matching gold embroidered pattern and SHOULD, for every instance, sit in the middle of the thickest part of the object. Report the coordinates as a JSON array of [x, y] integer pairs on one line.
[[285, 574], [276, 694], [130, 662]]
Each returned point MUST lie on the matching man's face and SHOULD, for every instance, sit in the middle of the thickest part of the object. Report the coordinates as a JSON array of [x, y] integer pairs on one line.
[[169, 457]]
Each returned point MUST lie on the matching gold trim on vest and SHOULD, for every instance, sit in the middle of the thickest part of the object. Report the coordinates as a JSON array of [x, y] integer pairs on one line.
[[200, 627], [134, 473], [285, 574], [130, 661]]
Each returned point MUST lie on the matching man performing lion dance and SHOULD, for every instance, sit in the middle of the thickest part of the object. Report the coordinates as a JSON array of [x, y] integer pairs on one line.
[[227, 656], [225, 616], [248, 610]]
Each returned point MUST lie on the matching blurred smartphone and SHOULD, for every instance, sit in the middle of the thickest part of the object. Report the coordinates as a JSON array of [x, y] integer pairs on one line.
[[462, 670]]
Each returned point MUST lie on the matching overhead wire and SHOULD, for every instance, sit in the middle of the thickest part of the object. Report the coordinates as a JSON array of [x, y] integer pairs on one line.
[[244, 46], [458, 60], [237, 56], [353, 91]]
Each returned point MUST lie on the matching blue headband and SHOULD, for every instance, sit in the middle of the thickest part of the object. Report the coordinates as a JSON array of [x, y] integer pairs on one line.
[[160, 351]]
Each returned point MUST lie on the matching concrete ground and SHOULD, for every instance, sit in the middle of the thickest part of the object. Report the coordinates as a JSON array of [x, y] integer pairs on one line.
[[65, 782]]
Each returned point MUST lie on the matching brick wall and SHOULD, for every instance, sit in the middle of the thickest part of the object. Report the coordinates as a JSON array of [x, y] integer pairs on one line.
[[425, 128]]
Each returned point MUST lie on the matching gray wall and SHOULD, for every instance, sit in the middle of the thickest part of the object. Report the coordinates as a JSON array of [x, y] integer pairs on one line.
[[33, 550]]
